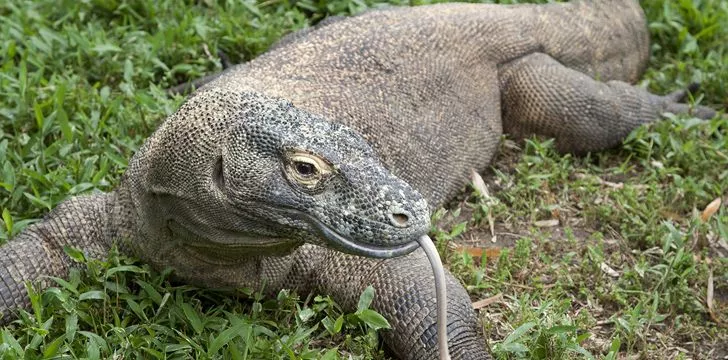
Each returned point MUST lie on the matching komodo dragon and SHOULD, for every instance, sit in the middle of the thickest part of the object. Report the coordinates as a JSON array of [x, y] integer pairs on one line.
[[348, 135]]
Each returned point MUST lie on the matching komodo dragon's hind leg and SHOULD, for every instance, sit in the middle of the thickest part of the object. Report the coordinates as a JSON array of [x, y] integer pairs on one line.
[[405, 295], [541, 96]]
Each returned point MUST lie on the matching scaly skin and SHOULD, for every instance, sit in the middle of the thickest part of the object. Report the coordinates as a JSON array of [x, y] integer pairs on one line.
[[428, 92]]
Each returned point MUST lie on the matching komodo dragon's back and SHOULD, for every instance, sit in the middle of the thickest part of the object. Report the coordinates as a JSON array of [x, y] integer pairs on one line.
[[421, 84], [335, 138]]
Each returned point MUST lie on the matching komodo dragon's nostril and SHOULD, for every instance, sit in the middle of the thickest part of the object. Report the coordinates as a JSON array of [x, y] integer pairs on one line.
[[399, 219]]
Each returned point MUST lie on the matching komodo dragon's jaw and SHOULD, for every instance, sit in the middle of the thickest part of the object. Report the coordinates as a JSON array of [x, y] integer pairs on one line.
[[262, 176]]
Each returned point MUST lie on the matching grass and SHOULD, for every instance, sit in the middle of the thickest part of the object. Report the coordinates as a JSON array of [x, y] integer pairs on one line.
[[610, 256]]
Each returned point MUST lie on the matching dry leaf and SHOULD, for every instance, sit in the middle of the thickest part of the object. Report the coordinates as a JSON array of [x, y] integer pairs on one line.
[[711, 209], [474, 251], [547, 223], [555, 213], [709, 300], [479, 184], [608, 270], [482, 190]]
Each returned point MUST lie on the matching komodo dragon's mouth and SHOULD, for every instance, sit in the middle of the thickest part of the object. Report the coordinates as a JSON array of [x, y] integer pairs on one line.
[[237, 248], [239, 244], [344, 244]]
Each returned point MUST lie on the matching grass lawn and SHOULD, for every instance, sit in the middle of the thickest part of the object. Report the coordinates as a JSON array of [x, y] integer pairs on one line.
[[612, 255]]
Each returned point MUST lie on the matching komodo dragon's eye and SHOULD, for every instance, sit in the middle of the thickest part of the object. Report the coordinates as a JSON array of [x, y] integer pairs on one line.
[[307, 169]]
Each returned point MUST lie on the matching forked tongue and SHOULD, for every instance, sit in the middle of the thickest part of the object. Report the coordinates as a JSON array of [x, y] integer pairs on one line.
[[440, 294]]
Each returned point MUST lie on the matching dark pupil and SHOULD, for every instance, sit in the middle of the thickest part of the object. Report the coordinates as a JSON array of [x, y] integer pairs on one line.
[[305, 169]]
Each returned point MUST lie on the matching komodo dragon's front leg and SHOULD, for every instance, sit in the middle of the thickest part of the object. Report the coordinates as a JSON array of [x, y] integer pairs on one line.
[[405, 296], [38, 252]]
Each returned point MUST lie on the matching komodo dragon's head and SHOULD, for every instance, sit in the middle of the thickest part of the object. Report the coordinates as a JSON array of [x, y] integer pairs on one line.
[[251, 174]]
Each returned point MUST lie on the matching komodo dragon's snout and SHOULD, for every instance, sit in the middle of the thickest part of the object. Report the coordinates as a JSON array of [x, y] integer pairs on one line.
[[276, 177]]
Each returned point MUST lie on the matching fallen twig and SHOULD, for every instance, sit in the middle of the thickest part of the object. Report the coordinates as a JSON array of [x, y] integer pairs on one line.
[[485, 302]]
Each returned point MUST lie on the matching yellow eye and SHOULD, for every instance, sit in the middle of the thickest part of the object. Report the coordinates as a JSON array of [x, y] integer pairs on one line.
[[307, 169]]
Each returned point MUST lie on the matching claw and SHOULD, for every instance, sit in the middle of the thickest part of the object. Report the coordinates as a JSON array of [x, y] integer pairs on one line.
[[681, 95], [698, 111], [676, 103]]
